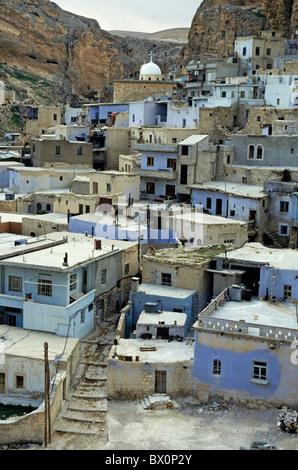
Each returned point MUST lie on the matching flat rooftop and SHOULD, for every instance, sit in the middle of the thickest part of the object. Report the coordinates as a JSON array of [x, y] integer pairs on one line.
[[207, 219], [257, 253], [79, 248], [165, 291], [165, 351], [235, 189], [30, 344], [258, 312], [187, 256]]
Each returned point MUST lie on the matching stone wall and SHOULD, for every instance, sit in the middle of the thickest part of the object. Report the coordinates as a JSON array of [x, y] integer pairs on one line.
[[30, 428], [138, 90]]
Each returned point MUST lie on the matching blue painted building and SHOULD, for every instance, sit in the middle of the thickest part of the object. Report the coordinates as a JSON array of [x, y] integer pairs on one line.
[[244, 352], [165, 298]]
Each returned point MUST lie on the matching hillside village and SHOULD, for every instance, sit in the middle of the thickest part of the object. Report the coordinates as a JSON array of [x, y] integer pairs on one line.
[[173, 209]]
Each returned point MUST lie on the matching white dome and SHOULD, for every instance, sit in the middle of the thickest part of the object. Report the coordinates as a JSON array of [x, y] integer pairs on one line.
[[150, 69]]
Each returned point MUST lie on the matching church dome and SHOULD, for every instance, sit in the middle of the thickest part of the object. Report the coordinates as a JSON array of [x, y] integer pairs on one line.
[[150, 70]]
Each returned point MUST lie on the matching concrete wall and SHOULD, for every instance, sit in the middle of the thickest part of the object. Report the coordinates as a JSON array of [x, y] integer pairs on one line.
[[273, 148], [72, 154]]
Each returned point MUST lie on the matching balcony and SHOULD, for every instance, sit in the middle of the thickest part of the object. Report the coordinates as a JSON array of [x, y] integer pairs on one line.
[[156, 174]]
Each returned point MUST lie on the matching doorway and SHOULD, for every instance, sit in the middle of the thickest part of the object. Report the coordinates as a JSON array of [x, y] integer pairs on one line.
[[218, 207], [2, 383], [160, 381]]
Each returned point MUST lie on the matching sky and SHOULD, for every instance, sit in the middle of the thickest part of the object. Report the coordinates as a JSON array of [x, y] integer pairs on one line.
[[135, 15]]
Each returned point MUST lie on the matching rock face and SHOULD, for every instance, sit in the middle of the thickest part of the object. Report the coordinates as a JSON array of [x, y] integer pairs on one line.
[[216, 23], [40, 38]]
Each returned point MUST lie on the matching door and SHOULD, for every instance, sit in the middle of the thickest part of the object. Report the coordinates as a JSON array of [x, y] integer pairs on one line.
[[218, 209], [170, 190], [2, 382], [183, 174], [160, 381]]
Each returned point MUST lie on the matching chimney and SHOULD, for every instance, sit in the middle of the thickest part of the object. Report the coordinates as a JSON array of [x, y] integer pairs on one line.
[[135, 284], [97, 244], [65, 260]]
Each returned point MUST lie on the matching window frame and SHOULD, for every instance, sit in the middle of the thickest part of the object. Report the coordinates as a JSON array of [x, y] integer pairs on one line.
[[216, 367], [45, 287], [165, 276], [11, 279], [258, 375]]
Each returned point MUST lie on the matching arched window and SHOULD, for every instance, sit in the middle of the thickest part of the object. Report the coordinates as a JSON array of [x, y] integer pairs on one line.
[[260, 152], [251, 152]]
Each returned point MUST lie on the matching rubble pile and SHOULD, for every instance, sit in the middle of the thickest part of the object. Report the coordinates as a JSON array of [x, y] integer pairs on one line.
[[288, 420]]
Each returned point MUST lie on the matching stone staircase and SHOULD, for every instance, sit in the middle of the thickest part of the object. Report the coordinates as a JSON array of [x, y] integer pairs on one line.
[[84, 414], [157, 401], [276, 240]]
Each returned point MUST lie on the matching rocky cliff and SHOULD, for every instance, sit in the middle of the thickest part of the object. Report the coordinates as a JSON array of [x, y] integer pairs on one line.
[[217, 22], [70, 52]]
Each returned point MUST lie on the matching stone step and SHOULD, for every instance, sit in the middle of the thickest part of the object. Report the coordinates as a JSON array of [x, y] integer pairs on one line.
[[96, 373], [81, 404], [83, 416], [90, 392]]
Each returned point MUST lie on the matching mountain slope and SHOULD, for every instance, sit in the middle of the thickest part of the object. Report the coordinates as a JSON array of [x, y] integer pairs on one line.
[[70, 51]]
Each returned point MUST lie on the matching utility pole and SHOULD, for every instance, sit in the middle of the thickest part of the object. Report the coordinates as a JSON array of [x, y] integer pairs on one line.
[[47, 411]]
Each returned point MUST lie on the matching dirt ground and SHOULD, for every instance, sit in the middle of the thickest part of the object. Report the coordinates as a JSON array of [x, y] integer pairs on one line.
[[191, 426], [187, 426]]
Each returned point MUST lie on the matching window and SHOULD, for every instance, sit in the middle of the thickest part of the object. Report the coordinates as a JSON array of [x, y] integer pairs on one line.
[[257, 51], [260, 371], [103, 279], [80, 151], [19, 381], [284, 206], [87, 209], [126, 269], [150, 161], [244, 51], [184, 150], [58, 150], [15, 283], [259, 152], [81, 209], [73, 282], [171, 163], [150, 188], [82, 316], [108, 187], [268, 51], [166, 279], [251, 152], [44, 287], [292, 151], [223, 94], [287, 292], [216, 366], [55, 117], [232, 213], [283, 229], [242, 94]]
